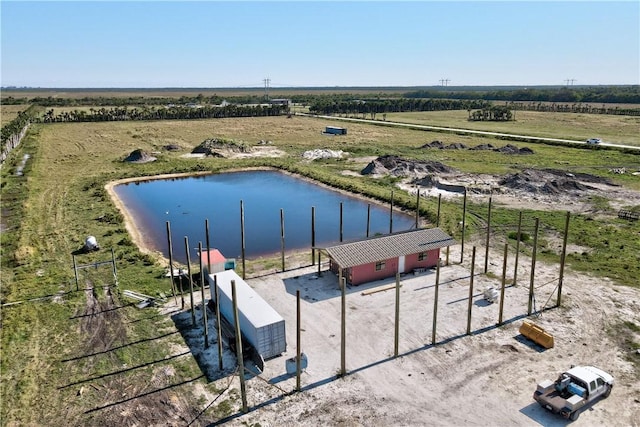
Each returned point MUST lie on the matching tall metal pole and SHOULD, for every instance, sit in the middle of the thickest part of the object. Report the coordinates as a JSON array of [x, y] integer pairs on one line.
[[239, 355], [204, 305], [313, 235], [464, 217], [282, 237], [435, 305], [438, 217], [533, 266], [173, 284], [504, 282], [473, 265], [298, 340], [397, 323], [519, 236], [486, 249], [193, 312], [244, 269], [563, 258]]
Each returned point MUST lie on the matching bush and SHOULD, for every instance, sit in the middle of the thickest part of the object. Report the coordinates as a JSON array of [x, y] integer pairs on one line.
[[524, 237]]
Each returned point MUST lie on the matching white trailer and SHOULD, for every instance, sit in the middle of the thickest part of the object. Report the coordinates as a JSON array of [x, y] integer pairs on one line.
[[260, 324]]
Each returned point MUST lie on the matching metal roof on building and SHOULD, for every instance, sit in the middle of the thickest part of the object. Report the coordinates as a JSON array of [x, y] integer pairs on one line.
[[389, 246]]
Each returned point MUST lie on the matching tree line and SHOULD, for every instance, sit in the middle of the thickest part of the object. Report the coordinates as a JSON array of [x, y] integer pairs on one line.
[[373, 107], [161, 113], [13, 131], [594, 94]]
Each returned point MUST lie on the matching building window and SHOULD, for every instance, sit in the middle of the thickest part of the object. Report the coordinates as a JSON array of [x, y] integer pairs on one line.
[[422, 256], [380, 265]]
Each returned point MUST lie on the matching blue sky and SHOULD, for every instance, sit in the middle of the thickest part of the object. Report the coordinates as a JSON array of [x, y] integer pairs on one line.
[[325, 43]]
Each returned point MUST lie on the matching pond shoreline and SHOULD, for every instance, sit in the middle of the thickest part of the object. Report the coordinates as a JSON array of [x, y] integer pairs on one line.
[[145, 246]]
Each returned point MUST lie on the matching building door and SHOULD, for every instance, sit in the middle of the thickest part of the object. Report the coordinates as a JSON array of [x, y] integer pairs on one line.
[[401, 264]]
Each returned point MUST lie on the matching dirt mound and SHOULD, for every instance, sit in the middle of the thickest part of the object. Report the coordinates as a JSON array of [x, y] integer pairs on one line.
[[427, 181], [440, 146], [512, 149], [398, 166], [219, 147], [172, 147], [584, 177], [434, 144], [456, 146], [483, 147], [139, 156], [542, 182]]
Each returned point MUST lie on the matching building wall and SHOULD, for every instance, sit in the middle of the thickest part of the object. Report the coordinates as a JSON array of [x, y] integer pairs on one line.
[[431, 260], [367, 272]]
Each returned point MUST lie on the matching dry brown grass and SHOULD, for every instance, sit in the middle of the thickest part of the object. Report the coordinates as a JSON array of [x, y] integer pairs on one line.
[[10, 112]]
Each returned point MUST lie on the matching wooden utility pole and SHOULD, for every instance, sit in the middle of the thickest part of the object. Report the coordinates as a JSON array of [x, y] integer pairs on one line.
[[282, 238], [244, 269], [397, 323], [563, 258], [313, 235], [343, 324], [519, 236], [203, 280], [341, 221], [368, 218], [216, 293], [504, 282], [486, 249], [435, 305], [298, 340], [473, 265], [464, 217], [114, 269], [75, 272], [239, 355], [533, 266], [417, 207], [173, 284], [438, 217], [193, 313], [391, 214]]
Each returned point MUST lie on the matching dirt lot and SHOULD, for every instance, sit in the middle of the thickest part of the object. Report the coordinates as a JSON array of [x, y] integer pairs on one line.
[[485, 378]]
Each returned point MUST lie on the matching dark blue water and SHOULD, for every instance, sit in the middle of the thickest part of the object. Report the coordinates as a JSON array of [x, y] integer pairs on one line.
[[187, 202]]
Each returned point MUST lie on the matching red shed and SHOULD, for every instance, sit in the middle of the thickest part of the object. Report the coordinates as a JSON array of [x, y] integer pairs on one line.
[[383, 256]]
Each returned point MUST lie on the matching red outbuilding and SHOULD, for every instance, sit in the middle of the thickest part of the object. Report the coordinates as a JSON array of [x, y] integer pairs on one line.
[[383, 256]]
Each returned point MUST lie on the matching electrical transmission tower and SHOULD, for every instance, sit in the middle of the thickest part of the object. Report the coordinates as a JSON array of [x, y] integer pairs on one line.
[[444, 82], [569, 82], [266, 81]]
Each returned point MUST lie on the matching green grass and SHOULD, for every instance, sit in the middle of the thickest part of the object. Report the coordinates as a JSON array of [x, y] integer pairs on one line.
[[574, 126], [61, 200]]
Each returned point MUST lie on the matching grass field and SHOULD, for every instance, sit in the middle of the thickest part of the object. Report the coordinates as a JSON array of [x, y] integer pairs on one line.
[[48, 212], [10, 112], [574, 126]]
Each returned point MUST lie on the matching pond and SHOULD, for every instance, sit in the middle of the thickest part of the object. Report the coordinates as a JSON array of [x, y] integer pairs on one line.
[[187, 201]]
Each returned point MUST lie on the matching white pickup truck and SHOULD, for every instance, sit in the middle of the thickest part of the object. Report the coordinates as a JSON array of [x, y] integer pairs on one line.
[[573, 389]]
